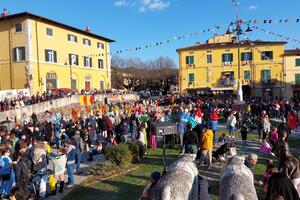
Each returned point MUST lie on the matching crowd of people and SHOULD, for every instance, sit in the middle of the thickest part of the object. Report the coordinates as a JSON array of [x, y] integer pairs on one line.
[[58, 139], [21, 100]]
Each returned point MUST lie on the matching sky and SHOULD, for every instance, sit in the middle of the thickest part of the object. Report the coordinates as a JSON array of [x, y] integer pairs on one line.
[[134, 23]]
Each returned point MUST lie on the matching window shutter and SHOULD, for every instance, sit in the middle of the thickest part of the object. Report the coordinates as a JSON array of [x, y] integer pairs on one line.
[[223, 57], [75, 38], [298, 62], [250, 56], [55, 56], [186, 60], [77, 61], [46, 55], [243, 56], [22, 49], [192, 59], [69, 37], [271, 55], [231, 57], [91, 64]]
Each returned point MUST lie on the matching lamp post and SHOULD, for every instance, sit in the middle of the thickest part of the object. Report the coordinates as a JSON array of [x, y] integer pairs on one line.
[[238, 32]]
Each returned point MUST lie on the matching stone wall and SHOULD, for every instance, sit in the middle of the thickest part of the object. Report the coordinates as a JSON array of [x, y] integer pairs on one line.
[[61, 103], [180, 182], [237, 182]]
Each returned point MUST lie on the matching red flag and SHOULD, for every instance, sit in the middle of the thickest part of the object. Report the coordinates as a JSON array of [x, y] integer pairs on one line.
[[91, 99], [254, 21], [85, 100]]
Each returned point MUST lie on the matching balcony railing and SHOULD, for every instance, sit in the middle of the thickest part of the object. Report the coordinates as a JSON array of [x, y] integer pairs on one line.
[[224, 83], [268, 82]]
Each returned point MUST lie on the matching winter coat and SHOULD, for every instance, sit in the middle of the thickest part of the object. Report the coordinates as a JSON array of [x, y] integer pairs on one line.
[[22, 169], [206, 140]]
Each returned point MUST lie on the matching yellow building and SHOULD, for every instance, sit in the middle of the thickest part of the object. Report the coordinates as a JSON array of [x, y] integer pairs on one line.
[[40, 53], [214, 66], [291, 60]]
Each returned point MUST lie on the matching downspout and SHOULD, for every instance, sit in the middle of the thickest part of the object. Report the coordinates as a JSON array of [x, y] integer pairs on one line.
[[37, 53], [10, 59]]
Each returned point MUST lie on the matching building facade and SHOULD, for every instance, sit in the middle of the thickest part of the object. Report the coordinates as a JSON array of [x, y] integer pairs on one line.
[[213, 66], [291, 59], [40, 54]]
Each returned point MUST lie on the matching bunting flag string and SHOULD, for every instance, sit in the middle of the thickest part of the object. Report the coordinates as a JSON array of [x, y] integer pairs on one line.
[[274, 34], [253, 23]]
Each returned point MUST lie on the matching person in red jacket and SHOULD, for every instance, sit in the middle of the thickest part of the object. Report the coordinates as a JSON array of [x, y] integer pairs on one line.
[[292, 120]]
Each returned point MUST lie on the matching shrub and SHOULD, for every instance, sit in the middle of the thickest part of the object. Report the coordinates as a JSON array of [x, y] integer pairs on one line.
[[103, 169], [134, 150], [119, 155]]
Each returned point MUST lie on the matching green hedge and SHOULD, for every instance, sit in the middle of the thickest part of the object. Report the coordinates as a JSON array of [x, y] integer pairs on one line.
[[119, 155], [134, 150]]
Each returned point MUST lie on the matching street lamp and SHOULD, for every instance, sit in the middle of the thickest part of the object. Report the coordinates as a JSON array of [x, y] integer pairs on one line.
[[238, 32]]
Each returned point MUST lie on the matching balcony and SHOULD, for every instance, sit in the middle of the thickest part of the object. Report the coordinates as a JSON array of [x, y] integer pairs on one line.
[[268, 82], [224, 83]]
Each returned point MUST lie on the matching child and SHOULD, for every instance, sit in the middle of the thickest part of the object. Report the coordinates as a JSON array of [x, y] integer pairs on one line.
[[222, 138], [97, 149], [270, 169], [273, 136], [266, 148], [244, 133], [59, 168], [155, 176]]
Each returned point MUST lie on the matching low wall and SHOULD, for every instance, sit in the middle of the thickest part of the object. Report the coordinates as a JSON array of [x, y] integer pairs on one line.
[[59, 103]]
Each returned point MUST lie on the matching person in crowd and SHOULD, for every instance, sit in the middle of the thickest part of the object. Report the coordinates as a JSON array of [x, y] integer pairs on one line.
[[17, 194], [214, 122], [250, 162], [290, 166], [280, 184], [206, 143], [266, 126], [283, 126], [244, 132], [231, 122], [154, 178], [59, 167], [292, 120], [281, 143], [23, 173], [7, 173], [190, 141], [270, 169], [71, 159], [273, 136], [95, 150], [78, 142]]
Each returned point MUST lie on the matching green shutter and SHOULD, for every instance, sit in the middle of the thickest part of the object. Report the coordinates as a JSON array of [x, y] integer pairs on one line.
[[250, 56], [271, 55], [243, 56], [192, 60], [186, 60], [263, 55], [297, 78], [223, 57], [297, 62], [247, 75], [230, 57], [191, 77], [55, 57], [46, 55]]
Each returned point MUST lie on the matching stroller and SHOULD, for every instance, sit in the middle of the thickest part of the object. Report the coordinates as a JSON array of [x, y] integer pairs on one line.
[[223, 150]]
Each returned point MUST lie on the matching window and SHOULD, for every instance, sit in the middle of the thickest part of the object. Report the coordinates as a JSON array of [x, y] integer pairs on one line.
[[189, 60], [100, 45], [86, 42], [50, 56], [266, 75], [49, 31], [73, 59], [101, 85], [247, 75], [72, 38], [87, 61], [297, 62], [191, 77], [297, 79], [247, 56], [208, 58], [19, 53], [227, 57], [18, 27], [267, 55], [100, 64]]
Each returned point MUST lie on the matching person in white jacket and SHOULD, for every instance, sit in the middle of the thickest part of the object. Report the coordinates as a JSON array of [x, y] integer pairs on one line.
[[231, 122]]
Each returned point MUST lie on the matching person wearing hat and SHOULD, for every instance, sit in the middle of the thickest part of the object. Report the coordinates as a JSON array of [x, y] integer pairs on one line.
[[154, 178]]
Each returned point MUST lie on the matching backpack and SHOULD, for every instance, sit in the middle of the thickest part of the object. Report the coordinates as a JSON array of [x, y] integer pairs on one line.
[[28, 172]]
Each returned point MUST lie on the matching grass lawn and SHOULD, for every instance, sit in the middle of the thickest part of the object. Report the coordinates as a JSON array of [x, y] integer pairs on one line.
[[131, 185]]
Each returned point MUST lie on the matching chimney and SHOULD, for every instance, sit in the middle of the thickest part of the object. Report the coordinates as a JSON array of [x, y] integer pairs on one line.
[[4, 13], [88, 30]]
